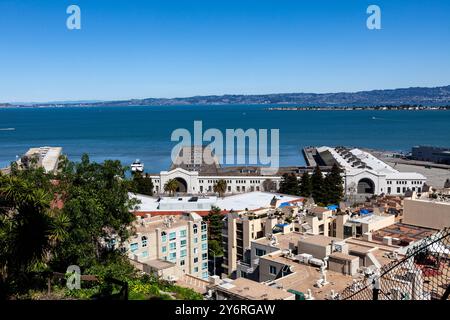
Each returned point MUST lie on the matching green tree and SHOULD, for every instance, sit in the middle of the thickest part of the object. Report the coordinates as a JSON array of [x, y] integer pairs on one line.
[[215, 224], [96, 201], [289, 184], [305, 185], [29, 230], [171, 186], [333, 186], [142, 184], [220, 187], [317, 184]]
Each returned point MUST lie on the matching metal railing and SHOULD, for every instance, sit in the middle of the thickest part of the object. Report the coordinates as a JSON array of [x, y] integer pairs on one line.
[[423, 274]]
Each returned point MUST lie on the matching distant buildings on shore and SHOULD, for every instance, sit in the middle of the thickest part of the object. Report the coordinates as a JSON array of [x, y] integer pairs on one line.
[[431, 154]]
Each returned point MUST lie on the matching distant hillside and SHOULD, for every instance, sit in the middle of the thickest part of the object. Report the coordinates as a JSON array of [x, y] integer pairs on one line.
[[408, 96]]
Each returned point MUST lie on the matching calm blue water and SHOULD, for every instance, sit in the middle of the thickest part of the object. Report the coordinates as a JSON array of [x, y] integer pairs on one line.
[[127, 133]]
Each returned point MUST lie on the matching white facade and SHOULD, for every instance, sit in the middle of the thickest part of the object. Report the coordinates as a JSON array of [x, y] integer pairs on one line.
[[364, 172], [196, 184]]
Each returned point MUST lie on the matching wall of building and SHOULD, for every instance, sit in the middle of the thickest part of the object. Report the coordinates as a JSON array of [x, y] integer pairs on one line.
[[317, 250], [435, 215]]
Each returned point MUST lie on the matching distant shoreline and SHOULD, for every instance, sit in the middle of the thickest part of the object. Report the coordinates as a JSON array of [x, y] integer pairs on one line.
[[350, 108], [272, 108]]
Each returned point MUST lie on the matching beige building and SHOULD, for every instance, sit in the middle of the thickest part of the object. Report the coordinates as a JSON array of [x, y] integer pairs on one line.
[[244, 289], [170, 246], [427, 210]]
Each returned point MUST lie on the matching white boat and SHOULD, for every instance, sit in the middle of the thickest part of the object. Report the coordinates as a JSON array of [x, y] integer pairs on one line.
[[137, 166]]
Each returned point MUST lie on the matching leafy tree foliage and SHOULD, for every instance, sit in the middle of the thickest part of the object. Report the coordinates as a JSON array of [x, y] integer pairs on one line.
[[317, 184], [305, 185], [142, 184], [171, 186], [214, 219], [220, 187], [289, 184]]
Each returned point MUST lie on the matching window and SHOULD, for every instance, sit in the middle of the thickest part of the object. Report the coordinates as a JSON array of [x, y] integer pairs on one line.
[[195, 229], [144, 241], [183, 253], [183, 243], [205, 275], [273, 270], [204, 265], [195, 259], [195, 240], [204, 246], [172, 256], [164, 249], [196, 269], [204, 256], [173, 246], [145, 254], [204, 237], [204, 226], [183, 234], [172, 236], [134, 247], [182, 263], [163, 237], [260, 252]]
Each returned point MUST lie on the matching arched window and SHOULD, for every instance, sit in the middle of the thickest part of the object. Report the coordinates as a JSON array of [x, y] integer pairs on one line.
[[163, 236], [204, 226], [195, 228]]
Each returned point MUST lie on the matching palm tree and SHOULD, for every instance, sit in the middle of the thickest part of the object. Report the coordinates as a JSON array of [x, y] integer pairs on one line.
[[171, 186], [220, 187], [29, 228]]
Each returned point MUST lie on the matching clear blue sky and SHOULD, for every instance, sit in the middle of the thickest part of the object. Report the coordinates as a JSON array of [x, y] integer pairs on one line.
[[176, 48]]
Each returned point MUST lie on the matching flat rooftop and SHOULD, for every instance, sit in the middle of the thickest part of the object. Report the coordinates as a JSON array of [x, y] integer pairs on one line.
[[253, 290], [304, 277], [320, 240], [250, 200], [283, 240], [404, 232], [150, 224], [159, 264], [370, 218]]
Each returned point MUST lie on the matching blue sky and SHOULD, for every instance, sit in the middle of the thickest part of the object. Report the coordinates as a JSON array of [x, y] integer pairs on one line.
[[176, 48]]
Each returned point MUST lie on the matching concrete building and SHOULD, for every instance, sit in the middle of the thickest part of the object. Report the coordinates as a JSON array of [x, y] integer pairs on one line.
[[365, 174], [429, 210], [44, 157], [431, 154], [241, 228], [244, 289], [170, 246]]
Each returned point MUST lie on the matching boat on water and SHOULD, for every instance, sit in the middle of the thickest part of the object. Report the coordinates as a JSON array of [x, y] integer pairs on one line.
[[7, 129], [137, 166]]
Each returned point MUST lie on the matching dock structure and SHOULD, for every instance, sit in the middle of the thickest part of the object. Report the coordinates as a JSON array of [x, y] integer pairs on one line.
[[309, 154], [45, 157]]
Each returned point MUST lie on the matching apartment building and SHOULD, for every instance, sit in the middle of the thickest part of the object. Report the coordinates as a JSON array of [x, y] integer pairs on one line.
[[429, 209], [176, 244]]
